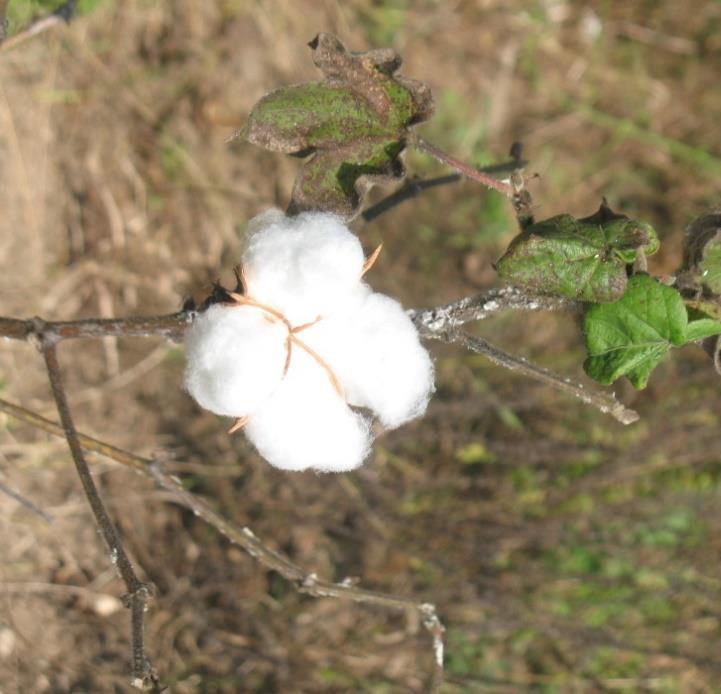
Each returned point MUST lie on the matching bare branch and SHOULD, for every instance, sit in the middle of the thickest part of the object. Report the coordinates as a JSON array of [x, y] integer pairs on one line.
[[8, 491], [472, 308], [409, 190], [469, 171], [14, 329], [415, 186], [304, 581], [144, 676], [171, 327], [443, 323], [433, 323], [604, 402]]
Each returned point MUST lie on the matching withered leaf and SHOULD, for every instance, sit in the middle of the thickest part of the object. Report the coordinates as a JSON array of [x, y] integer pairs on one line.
[[581, 259], [701, 269], [351, 126]]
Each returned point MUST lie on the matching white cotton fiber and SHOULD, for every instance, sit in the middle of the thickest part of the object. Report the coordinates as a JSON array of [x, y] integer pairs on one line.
[[377, 355], [349, 347], [235, 359], [304, 266], [306, 424]]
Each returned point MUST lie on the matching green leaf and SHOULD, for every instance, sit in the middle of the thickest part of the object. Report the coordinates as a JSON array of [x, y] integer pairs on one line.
[[631, 336], [581, 259], [702, 328], [352, 125]]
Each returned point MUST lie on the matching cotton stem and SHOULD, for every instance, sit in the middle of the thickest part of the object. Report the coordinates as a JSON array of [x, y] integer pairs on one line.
[[303, 580], [466, 170], [604, 402], [144, 676]]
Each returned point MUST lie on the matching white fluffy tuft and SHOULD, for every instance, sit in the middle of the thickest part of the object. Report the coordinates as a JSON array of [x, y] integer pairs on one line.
[[304, 266], [235, 359], [377, 355], [306, 424], [363, 351]]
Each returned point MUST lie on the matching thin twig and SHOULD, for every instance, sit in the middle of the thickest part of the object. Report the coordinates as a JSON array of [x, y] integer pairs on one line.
[[604, 402], [465, 169], [62, 14], [9, 491], [409, 190], [415, 186], [433, 323], [171, 327], [144, 676], [443, 323], [304, 581], [473, 308]]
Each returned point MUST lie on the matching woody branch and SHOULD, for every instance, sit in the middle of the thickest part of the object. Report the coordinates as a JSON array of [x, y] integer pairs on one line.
[[440, 323]]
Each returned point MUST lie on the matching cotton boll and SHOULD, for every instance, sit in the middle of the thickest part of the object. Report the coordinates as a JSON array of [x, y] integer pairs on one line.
[[235, 359], [348, 347], [305, 424], [303, 266], [375, 351]]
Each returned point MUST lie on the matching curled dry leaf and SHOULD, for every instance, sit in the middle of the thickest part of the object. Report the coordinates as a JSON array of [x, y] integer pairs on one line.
[[352, 125], [716, 355], [701, 269], [699, 279]]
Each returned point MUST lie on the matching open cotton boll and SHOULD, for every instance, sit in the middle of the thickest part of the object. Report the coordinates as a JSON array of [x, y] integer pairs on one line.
[[305, 342], [305, 424], [235, 359], [376, 353], [303, 266]]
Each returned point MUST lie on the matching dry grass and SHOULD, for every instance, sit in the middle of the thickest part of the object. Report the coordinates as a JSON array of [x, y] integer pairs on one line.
[[565, 553]]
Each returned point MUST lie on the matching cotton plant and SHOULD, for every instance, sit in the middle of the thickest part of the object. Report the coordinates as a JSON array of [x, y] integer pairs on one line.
[[306, 356]]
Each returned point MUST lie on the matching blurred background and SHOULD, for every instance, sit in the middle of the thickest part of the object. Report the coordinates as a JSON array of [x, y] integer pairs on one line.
[[565, 552]]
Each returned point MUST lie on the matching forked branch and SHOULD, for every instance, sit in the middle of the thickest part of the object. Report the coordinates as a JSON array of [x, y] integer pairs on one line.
[[304, 581], [144, 677], [413, 187], [433, 323]]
